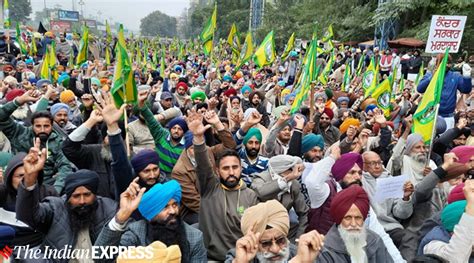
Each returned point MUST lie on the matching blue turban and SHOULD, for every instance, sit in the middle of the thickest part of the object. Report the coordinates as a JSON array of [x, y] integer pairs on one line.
[[246, 88], [310, 141], [288, 97], [178, 68], [253, 132], [341, 99], [370, 107], [452, 214], [57, 107], [143, 158], [178, 121], [293, 53], [42, 82], [29, 61], [64, 79], [156, 199], [281, 83], [227, 78]]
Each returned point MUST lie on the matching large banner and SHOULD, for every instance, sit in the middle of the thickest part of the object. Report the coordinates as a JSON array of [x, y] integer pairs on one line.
[[65, 15], [445, 31], [60, 26]]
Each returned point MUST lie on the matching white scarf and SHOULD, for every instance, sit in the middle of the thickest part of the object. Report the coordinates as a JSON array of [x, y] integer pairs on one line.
[[414, 169]]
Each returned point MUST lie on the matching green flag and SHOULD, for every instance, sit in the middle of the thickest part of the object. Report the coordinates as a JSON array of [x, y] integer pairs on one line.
[[124, 89], [246, 52], [6, 15], [265, 54], [425, 116], [20, 40], [83, 47], [383, 95], [289, 46], [207, 34]]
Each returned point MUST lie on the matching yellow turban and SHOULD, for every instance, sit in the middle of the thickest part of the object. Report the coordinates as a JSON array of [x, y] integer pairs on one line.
[[348, 122], [160, 253], [271, 213]]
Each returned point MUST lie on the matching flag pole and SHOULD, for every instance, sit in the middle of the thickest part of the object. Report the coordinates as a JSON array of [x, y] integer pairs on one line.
[[433, 134], [125, 118]]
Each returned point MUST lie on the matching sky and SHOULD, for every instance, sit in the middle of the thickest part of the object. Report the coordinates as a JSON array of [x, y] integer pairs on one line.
[[127, 12]]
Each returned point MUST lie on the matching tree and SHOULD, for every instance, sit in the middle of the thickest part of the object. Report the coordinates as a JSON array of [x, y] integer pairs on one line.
[[158, 24], [20, 10]]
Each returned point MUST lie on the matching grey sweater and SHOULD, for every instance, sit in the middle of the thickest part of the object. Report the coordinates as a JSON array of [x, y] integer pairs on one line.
[[221, 209]]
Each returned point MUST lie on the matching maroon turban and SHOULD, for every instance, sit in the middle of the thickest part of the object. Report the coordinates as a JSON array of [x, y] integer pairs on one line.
[[342, 166], [464, 153], [342, 202], [328, 112], [456, 194], [230, 92], [182, 84], [12, 94]]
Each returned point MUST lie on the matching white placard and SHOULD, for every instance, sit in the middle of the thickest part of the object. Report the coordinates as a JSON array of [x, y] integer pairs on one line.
[[390, 187], [445, 31]]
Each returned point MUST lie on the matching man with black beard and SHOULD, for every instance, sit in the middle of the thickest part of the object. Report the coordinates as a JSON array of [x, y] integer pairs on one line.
[[62, 125], [57, 167], [224, 196], [252, 162], [312, 147], [75, 219], [160, 209], [96, 157]]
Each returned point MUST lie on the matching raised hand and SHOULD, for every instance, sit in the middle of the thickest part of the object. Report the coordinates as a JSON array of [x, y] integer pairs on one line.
[[462, 122], [379, 118], [211, 117], [142, 97], [110, 113], [195, 125], [246, 247], [299, 121], [309, 246], [254, 118], [33, 163], [449, 159], [129, 201], [408, 190], [96, 116], [29, 96], [335, 152], [284, 117]]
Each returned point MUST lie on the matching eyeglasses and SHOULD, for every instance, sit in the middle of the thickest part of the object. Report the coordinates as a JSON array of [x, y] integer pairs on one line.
[[280, 241], [375, 163]]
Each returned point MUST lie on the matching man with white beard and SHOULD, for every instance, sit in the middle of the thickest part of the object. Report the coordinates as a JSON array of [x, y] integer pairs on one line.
[[266, 226], [410, 158], [349, 240]]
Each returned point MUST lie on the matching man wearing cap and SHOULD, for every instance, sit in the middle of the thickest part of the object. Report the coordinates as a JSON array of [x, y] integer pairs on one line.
[[75, 219], [13, 175], [169, 142], [280, 182], [185, 169], [349, 240], [224, 196], [266, 240], [249, 139], [322, 125], [22, 138], [159, 207]]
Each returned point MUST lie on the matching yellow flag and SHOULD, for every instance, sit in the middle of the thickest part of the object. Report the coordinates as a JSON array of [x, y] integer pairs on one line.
[[246, 52], [207, 34], [425, 116], [369, 79], [289, 46], [265, 54], [382, 95]]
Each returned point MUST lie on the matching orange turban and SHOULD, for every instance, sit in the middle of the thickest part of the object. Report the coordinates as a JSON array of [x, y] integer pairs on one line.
[[348, 122]]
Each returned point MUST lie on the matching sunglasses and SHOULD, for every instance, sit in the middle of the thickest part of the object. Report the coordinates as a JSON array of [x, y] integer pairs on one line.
[[280, 241]]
